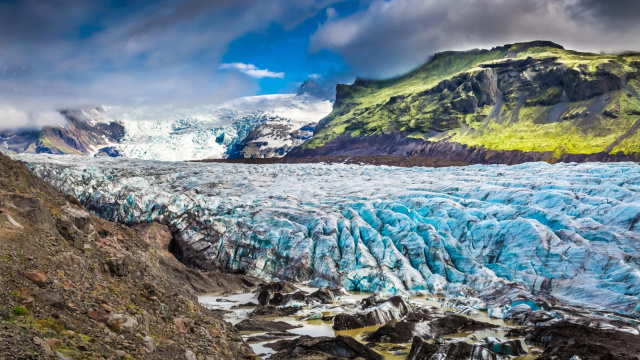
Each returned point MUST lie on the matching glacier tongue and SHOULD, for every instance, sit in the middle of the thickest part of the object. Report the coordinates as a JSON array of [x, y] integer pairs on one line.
[[214, 132], [568, 230]]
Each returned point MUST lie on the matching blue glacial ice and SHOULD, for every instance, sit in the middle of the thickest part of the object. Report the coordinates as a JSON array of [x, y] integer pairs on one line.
[[568, 230]]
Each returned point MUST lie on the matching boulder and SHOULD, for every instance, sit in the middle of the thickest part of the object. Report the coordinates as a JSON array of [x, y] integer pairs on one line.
[[324, 296], [118, 265], [279, 299], [272, 311], [189, 355], [72, 259], [70, 233], [393, 309], [7, 222], [262, 325], [80, 218], [36, 278], [54, 343], [129, 325], [405, 330], [564, 340], [280, 286], [51, 298], [183, 324], [121, 322], [45, 348], [343, 347], [33, 210], [149, 344], [263, 297], [155, 234], [459, 350], [509, 347]]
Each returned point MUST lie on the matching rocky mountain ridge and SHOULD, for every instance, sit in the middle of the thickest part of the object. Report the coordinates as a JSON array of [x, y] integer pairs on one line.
[[511, 104]]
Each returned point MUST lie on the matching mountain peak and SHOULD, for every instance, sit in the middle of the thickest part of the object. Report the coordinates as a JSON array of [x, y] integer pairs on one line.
[[527, 101], [522, 46], [314, 88]]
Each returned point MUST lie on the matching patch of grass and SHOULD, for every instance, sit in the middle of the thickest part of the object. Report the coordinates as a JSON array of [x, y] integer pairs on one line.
[[72, 352], [49, 323], [566, 136], [19, 311]]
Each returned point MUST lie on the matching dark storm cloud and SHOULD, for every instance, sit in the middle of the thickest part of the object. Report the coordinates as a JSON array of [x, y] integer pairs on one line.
[[391, 37], [68, 53], [612, 13]]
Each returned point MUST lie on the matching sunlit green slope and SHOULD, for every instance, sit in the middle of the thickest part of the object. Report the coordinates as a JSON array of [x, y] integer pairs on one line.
[[533, 97]]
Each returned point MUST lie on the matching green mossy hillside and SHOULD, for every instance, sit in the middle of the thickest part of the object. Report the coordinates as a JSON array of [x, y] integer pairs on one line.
[[533, 96]]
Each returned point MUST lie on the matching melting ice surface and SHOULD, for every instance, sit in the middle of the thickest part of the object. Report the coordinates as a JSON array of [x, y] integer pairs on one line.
[[568, 230]]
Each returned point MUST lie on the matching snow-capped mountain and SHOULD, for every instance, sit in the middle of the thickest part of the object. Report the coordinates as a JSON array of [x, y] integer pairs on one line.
[[215, 132], [204, 132]]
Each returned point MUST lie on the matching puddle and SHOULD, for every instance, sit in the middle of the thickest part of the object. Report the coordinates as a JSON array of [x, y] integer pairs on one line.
[[318, 328]]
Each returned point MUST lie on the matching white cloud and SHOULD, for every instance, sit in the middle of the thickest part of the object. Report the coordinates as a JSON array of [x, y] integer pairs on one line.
[[390, 37], [251, 70], [147, 53], [315, 76], [14, 117]]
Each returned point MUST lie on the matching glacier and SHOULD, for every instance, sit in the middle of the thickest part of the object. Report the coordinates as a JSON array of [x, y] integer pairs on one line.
[[211, 132], [570, 231]]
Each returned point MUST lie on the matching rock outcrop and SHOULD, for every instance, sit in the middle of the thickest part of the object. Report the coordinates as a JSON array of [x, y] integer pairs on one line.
[[521, 102], [459, 350], [426, 328], [383, 312], [341, 347], [566, 340]]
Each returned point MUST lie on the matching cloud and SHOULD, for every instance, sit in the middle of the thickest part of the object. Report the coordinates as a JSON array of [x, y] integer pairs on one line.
[[391, 37], [251, 70], [13, 117], [72, 53]]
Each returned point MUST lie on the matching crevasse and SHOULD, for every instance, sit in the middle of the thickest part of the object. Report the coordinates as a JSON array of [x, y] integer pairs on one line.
[[568, 230]]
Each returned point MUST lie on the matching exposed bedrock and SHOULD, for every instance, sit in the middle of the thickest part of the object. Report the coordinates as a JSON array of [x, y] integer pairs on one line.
[[566, 340], [460, 350], [341, 347], [426, 327], [400, 145], [394, 308], [534, 233]]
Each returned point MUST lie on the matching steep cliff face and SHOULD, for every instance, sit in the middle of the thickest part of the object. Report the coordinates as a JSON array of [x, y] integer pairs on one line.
[[530, 101]]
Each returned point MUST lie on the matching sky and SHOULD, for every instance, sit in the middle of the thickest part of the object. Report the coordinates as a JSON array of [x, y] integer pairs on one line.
[[184, 53]]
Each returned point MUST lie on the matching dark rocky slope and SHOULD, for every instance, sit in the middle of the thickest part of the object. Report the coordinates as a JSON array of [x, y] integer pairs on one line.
[[74, 286]]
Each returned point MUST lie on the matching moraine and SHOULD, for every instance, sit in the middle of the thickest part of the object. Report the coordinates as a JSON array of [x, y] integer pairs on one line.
[[566, 232]]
